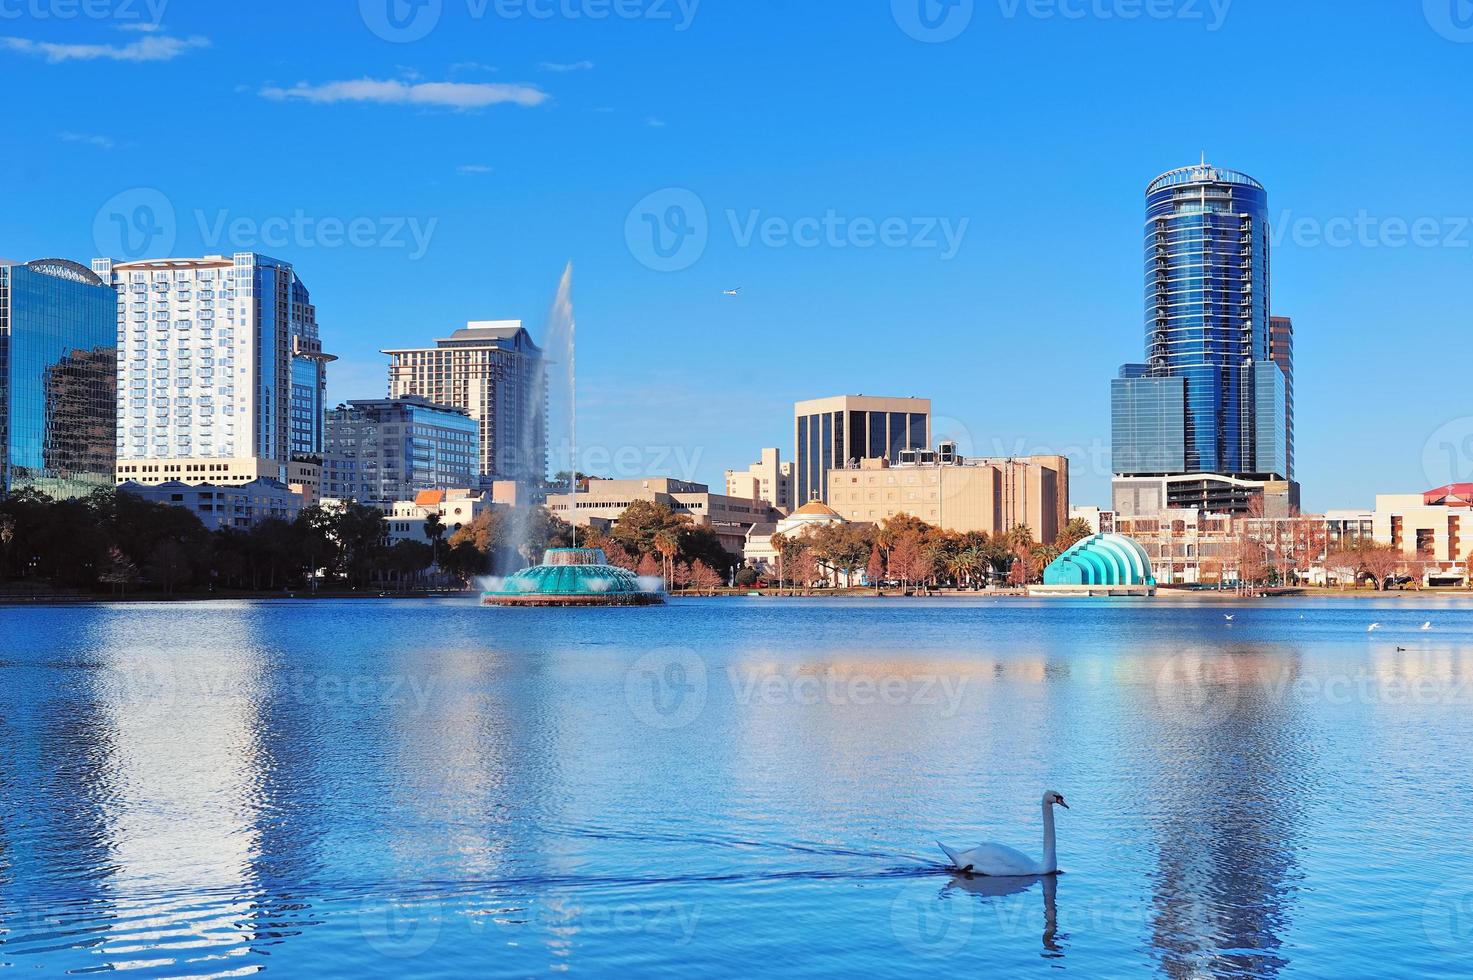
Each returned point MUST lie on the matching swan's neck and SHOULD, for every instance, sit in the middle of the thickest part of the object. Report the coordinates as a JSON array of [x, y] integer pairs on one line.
[[1050, 858]]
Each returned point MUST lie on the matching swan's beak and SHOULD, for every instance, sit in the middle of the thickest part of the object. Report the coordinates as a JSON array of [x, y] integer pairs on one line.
[[1063, 804]]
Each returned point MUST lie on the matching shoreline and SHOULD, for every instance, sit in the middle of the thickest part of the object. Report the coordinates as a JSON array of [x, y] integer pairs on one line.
[[1167, 594]]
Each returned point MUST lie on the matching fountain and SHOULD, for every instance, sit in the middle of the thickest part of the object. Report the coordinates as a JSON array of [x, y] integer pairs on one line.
[[574, 577], [567, 576]]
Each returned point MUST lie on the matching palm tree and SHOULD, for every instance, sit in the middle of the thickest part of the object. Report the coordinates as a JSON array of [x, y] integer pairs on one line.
[[667, 543]]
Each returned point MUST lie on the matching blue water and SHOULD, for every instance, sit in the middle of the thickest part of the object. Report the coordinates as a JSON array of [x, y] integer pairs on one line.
[[733, 788]]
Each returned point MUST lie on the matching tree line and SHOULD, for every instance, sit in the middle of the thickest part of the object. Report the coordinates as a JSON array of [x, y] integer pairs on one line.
[[909, 552]]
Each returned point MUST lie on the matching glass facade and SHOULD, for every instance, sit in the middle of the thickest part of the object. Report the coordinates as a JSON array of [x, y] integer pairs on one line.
[[58, 367], [1207, 326], [834, 439], [378, 452]]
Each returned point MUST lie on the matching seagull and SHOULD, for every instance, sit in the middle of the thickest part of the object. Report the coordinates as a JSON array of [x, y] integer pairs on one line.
[[1426, 626], [731, 292], [1228, 617], [1373, 627]]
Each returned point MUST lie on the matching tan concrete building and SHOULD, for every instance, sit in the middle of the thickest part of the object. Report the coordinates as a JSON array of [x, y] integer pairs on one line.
[[768, 479], [989, 495], [1436, 526], [604, 500]]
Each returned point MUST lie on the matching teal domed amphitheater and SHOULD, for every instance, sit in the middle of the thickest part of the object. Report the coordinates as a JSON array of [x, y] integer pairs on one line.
[[1106, 564]]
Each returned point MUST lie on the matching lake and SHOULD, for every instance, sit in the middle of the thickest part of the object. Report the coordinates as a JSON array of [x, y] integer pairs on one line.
[[726, 788]]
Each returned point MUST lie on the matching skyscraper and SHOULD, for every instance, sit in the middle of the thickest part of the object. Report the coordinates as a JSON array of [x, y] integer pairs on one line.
[[494, 371], [830, 433], [1209, 399], [58, 365], [220, 370]]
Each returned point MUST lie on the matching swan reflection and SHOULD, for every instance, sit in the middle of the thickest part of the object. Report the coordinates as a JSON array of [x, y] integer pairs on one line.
[[987, 886]]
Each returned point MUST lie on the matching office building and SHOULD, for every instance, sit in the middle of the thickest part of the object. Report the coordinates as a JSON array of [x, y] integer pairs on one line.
[[1281, 352], [605, 500], [1210, 398], [387, 450], [494, 371], [831, 433], [220, 370], [768, 479], [455, 508], [1435, 528], [58, 365], [957, 494]]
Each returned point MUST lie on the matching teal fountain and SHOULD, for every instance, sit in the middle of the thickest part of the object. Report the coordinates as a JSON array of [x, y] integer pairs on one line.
[[574, 577]]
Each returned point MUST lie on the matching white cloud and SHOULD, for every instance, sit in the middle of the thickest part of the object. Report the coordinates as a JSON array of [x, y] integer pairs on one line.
[[566, 66], [472, 66], [473, 168], [143, 27], [91, 139], [149, 48], [455, 95], [655, 123]]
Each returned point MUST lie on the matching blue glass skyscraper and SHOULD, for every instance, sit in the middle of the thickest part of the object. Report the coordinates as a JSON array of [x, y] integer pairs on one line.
[[1208, 398], [58, 366]]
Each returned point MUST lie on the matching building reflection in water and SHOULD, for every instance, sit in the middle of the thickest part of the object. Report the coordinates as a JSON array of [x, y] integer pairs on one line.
[[1228, 806]]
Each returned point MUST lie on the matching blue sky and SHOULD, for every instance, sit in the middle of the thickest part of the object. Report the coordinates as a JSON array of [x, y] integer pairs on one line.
[[445, 164]]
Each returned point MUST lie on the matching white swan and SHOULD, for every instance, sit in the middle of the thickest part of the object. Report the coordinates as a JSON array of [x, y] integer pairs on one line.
[[1004, 862], [1373, 627], [1426, 626]]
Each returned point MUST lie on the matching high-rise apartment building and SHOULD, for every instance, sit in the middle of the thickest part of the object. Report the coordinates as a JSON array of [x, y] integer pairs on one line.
[[382, 451], [220, 369], [494, 371], [1209, 397], [831, 433], [58, 365]]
